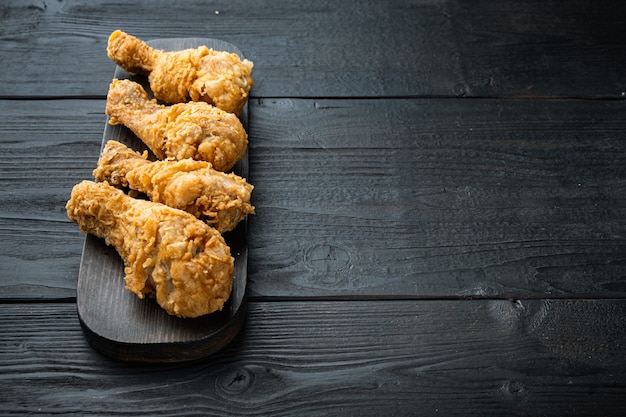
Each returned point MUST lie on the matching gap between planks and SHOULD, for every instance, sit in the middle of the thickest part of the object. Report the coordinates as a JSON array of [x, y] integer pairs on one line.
[[345, 298]]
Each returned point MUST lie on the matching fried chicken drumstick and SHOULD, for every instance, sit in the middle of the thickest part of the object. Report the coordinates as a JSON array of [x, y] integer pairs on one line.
[[222, 200], [167, 253], [194, 130], [201, 74]]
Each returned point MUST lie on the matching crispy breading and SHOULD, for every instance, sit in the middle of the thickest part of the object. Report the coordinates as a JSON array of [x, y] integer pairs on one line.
[[194, 130], [168, 254], [222, 200], [200, 74]]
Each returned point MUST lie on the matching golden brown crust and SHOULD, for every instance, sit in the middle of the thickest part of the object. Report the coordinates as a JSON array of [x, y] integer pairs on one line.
[[222, 200], [115, 161], [167, 253], [194, 130], [201, 74], [131, 54]]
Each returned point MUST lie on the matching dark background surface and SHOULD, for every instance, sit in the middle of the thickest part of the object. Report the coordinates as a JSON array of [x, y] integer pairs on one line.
[[440, 199]]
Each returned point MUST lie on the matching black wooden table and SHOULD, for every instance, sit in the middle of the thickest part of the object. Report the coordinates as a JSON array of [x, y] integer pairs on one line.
[[441, 209]]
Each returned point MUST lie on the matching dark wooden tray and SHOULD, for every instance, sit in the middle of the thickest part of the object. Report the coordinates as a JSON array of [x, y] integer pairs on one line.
[[118, 324]]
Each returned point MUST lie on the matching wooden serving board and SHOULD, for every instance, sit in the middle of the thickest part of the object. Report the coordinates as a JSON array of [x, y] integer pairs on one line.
[[118, 324]]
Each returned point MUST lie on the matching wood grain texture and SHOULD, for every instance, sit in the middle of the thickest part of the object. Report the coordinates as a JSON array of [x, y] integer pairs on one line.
[[458, 48], [401, 198], [438, 230], [46, 146], [438, 198], [493, 358]]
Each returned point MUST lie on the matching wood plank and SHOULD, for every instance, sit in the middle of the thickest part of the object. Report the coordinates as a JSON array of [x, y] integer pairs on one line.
[[362, 198], [47, 147], [348, 48], [541, 357], [438, 198]]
